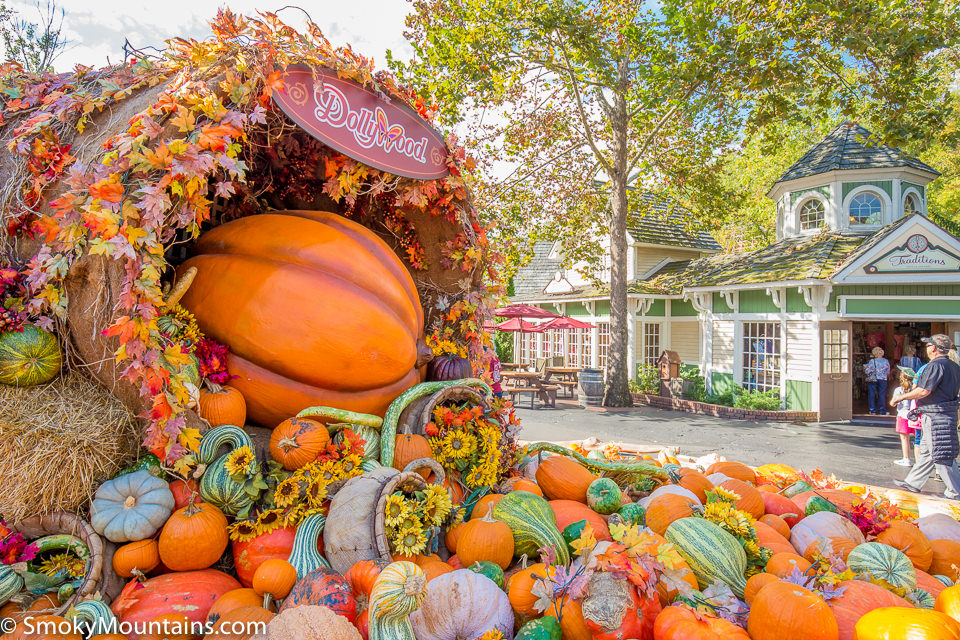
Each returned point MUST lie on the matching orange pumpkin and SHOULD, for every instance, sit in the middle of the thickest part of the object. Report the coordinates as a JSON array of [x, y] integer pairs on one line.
[[485, 539], [569, 511], [410, 447], [361, 578], [681, 623], [733, 469], [233, 599], [194, 537], [291, 347], [693, 480], [222, 405], [843, 546], [296, 442], [274, 578], [485, 505], [456, 490], [782, 564], [948, 602], [563, 478], [452, 537], [946, 558], [782, 610], [860, 598], [435, 569], [519, 587], [776, 523], [756, 582], [908, 538], [750, 500], [769, 538], [570, 615], [666, 508], [170, 626], [136, 557], [527, 485], [252, 621]]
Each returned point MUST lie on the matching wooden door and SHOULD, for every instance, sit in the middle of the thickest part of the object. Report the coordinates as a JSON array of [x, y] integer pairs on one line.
[[836, 381]]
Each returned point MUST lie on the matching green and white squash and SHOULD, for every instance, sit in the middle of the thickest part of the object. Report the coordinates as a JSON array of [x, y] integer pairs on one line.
[[922, 599], [632, 513], [604, 496], [818, 503], [29, 357], [216, 485], [490, 570], [883, 562], [97, 618], [797, 488], [10, 583], [131, 507], [546, 628], [533, 523], [712, 553], [304, 555]]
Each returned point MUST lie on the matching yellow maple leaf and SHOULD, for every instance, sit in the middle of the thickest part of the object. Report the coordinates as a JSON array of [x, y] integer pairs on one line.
[[190, 438], [175, 356], [184, 466], [585, 542]]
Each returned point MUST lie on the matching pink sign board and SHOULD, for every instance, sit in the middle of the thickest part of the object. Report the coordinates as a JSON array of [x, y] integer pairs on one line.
[[361, 124]]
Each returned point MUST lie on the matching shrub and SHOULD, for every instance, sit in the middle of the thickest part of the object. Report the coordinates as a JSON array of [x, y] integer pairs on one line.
[[647, 381], [698, 388], [758, 400]]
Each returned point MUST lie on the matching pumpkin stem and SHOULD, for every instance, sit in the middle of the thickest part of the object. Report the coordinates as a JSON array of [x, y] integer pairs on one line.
[[212, 386], [180, 288], [414, 585], [287, 444], [129, 502], [193, 508], [267, 599]]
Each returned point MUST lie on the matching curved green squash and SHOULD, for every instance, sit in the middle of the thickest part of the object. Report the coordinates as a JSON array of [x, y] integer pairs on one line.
[[546, 628], [604, 496], [150, 462], [304, 555], [712, 553], [633, 513], [96, 616], [572, 532], [29, 357], [883, 562], [10, 583], [533, 523], [216, 485], [818, 503], [490, 570], [797, 488]]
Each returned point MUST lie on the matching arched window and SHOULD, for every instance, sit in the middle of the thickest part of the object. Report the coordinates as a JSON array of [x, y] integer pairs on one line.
[[866, 208], [910, 205], [812, 215]]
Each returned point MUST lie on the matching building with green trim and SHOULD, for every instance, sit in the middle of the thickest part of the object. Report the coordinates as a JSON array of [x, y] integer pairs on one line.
[[857, 263]]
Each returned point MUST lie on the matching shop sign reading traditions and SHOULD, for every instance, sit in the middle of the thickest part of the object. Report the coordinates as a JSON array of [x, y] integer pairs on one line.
[[361, 124], [916, 255]]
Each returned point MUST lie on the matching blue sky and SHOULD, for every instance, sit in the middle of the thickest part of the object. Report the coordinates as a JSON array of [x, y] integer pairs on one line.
[[97, 28]]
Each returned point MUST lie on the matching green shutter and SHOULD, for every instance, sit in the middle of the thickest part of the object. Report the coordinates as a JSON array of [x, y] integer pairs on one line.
[[720, 305], [756, 301], [682, 308], [799, 395]]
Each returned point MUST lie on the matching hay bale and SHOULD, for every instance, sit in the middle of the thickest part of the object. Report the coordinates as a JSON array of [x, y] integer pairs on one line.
[[58, 442]]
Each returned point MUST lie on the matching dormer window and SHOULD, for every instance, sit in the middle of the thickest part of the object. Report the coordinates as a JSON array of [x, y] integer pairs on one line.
[[812, 215], [866, 208], [910, 205]]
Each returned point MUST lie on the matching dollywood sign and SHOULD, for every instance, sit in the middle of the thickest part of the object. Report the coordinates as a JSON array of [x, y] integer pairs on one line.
[[361, 124]]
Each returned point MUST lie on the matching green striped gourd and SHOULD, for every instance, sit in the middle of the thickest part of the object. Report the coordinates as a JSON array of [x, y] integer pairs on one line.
[[369, 465], [10, 583], [370, 436], [388, 433], [883, 562], [797, 488], [304, 555], [489, 569], [397, 592], [632, 513], [546, 628], [818, 503], [946, 580], [922, 599], [712, 553], [533, 523], [216, 485], [604, 496], [29, 357], [96, 616]]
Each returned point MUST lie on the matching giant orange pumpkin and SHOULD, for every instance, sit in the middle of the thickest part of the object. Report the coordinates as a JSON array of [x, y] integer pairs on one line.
[[317, 310]]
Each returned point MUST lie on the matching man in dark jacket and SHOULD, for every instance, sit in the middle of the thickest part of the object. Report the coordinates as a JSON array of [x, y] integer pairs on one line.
[[936, 396]]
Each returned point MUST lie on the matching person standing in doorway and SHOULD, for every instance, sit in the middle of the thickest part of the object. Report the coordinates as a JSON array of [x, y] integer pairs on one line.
[[936, 395], [910, 359], [877, 370]]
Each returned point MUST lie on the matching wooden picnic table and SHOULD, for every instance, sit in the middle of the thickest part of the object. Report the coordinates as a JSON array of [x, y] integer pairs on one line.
[[510, 366], [567, 377], [530, 382]]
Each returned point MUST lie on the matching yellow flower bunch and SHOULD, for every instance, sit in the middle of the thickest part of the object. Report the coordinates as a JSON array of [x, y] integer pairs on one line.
[[410, 517], [457, 445], [241, 462], [396, 510], [242, 530], [63, 562], [189, 330], [722, 511], [493, 634], [435, 508], [269, 521]]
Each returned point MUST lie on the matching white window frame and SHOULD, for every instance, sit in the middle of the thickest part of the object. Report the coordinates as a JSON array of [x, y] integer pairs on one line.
[[647, 356], [755, 361], [886, 206], [799, 214], [603, 344]]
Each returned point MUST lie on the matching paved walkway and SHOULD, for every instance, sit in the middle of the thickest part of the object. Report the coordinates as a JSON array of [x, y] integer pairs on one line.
[[856, 453]]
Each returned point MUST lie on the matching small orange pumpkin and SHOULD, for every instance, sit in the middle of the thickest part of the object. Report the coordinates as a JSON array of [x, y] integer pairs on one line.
[[193, 538], [485, 505], [563, 478], [222, 405], [410, 447], [296, 442], [768, 537], [782, 610], [452, 537], [435, 569], [782, 564], [777, 524], [485, 539], [519, 589], [681, 623], [946, 558], [733, 469], [908, 538], [274, 579], [233, 599], [136, 557], [527, 485], [693, 480], [756, 582], [665, 509]]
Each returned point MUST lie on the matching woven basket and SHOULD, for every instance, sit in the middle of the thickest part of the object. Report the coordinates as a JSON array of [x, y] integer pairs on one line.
[[418, 413], [355, 528], [100, 576]]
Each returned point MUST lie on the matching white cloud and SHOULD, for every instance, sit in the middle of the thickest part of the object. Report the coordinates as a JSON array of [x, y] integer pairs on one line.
[[98, 29]]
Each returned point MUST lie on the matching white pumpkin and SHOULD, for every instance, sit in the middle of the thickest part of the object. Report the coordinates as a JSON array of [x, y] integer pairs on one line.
[[823, 524], [718, 478], [669, 488], [131, 507], [462, 605], [939, 526]]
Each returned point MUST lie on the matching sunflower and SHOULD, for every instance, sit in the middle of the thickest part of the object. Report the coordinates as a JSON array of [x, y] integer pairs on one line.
[[459, 445], [397, 509], [63, 562], [492, 634], [316, 492], [242, 530], [269, 521], [350, 465], [287, 492], [409, 521], [240, 461], [410, 542], [725, 495], [436, 506], [293, 516], [328, 471]]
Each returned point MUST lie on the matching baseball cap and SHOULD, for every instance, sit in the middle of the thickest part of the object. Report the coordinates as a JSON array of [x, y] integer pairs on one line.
[[941, 341]]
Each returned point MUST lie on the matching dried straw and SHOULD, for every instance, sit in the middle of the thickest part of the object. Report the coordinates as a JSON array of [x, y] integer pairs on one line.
[[58, 442]]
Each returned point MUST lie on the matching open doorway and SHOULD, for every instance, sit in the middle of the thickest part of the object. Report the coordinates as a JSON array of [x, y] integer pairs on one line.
[[894, 338]]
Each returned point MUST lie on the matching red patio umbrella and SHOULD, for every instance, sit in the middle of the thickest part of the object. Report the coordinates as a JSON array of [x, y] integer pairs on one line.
[[523, 311], [564, 322], [517, 324]]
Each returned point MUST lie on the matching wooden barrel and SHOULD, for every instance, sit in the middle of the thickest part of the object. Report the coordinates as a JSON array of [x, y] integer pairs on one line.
[[590, 387], [418, 413]]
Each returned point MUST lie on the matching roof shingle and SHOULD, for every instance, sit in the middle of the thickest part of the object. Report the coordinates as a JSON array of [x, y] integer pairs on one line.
[[664, 223]]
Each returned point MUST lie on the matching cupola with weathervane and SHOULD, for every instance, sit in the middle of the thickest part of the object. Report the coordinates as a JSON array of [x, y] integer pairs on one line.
[[846, 183]]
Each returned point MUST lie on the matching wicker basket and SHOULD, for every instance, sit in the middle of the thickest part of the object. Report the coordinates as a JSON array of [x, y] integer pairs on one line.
[[355, 528], [418, 413], [100, 576]]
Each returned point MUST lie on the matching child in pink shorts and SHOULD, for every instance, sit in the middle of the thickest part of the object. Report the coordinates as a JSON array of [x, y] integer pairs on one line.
[[905, 426]]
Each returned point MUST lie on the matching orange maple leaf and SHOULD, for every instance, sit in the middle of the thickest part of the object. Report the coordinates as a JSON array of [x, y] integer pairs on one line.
[[109, 191], [273, 82]]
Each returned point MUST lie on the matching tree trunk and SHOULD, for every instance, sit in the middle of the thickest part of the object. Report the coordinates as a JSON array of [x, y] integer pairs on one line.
[[616, 391]]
